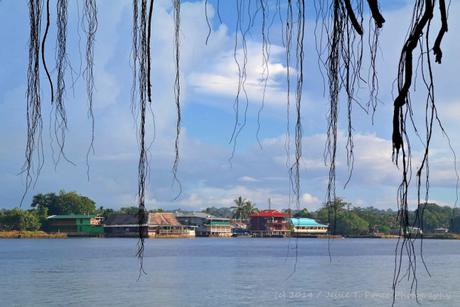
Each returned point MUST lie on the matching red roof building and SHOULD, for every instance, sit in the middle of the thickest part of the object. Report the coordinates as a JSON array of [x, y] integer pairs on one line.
[[269, 223]]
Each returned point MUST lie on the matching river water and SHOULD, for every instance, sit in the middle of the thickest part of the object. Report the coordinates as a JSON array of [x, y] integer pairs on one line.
[[221, 272]]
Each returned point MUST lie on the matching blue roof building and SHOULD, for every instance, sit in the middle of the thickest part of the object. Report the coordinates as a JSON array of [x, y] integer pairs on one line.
[[306, 226]]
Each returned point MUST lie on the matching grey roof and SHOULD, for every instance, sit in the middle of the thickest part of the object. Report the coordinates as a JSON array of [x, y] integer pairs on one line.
[[122, 219], [194, 214], [202, 215]]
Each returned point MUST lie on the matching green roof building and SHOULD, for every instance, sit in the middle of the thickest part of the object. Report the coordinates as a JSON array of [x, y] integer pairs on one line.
[[76, 224]]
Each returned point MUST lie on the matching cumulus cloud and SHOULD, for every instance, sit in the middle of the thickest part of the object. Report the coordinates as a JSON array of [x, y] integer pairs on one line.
[[309, 199], [221, 76]]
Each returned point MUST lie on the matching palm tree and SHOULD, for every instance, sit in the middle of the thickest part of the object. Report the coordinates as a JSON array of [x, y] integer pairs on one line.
[[243, 208], [250, 208], [239, 208]]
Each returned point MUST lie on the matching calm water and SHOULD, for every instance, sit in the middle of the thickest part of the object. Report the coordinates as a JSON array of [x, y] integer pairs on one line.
[[219, 272]]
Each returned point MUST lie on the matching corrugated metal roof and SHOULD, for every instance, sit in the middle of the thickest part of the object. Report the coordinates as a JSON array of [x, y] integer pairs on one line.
[[195, 214], [163, 218], [269, 213], [306, 222], [219, 222]]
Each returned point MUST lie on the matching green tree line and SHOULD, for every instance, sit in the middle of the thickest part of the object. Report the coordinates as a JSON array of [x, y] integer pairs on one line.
[[349, 220], [42, 206], [61, 203]]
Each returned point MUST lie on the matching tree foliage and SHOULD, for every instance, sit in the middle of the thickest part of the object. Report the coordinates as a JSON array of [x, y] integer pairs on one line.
[[64, 203], [243, 208], [455, 222], [433, 216], [349, 223], [219, 212], [378, 220], [304, 213], [21, 220]]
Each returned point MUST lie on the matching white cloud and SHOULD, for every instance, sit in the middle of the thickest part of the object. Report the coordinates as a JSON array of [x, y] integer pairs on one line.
[[309, 199], [221, 75], [247, 179]]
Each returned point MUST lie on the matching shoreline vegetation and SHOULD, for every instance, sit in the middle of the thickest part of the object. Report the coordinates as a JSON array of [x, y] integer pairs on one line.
[[17, 234]]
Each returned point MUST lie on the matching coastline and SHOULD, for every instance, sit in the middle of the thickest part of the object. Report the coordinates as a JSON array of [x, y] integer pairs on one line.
[[15, 234], [430, 236]]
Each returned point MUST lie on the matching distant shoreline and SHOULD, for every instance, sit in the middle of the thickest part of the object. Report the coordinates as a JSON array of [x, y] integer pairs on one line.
[[43, 235], [14, 234], [430, 236]]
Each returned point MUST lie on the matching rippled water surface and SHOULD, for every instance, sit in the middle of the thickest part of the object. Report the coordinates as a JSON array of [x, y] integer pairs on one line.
[[220, 272]]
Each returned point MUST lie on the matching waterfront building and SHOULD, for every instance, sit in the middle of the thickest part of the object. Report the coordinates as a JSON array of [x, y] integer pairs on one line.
[[269, 223], [75, 224], [441, 230], [165, 225], [157, 225], [413, 231], [409, 231], [216, 227], [124, 225], [239, 228], [205, 224], [306, 227]]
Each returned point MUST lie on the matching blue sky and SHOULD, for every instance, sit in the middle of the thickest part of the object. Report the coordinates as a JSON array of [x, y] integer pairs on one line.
[[209, 81]]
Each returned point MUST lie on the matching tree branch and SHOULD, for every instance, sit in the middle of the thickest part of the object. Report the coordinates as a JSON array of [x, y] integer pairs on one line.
[[352, 16], [437, 44], [374, 7]]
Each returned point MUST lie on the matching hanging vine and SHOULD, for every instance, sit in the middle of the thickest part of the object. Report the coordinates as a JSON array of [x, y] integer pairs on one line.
[[177, 90], [34, 144], [241, 30], [60, 116], [45, 67], [141, 44], [339, 36], [341, 58], [298, 98], [90, 17], [419, 36]]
